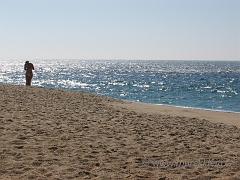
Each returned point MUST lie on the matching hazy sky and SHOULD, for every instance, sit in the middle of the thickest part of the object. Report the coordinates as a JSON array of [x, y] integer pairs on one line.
[[120, 29]]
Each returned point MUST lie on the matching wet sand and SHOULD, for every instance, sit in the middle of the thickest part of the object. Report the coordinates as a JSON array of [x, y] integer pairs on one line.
[[61, 134]]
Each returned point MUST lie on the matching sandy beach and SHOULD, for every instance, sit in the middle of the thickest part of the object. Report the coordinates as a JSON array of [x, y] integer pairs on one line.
[[61, 134]]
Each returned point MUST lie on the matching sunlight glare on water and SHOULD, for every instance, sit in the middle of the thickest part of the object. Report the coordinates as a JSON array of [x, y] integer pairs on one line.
[[199, 84]]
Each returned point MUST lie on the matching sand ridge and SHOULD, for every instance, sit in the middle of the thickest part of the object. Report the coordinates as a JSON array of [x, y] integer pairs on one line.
[[230, 118], [61, 134]]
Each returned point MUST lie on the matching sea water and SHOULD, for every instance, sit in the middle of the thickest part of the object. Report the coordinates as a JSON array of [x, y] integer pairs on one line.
[[213, 85]]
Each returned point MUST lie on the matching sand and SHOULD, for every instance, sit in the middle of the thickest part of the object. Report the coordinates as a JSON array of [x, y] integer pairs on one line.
[[60, 134]]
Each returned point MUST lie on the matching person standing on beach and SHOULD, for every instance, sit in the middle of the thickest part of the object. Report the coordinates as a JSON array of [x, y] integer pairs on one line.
[[28, 67]]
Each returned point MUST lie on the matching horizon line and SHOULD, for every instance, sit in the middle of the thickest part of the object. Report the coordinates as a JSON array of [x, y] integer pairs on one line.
[[107, 59]]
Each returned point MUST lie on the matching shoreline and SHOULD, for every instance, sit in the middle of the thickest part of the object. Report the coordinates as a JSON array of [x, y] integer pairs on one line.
[[50, 133], [226, 117], [205, 109], [214, 110]]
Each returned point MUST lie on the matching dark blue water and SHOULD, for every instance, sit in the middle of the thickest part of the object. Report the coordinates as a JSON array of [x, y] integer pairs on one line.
[[198, 84]]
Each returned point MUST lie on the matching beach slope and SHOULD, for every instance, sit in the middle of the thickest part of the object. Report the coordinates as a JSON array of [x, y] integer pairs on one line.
[[61, 134]]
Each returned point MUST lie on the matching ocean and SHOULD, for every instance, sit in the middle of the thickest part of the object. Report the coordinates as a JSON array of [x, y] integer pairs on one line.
[[213, 85]]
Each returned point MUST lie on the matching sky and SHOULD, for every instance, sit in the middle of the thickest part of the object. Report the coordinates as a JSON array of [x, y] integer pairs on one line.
[[120, 29]]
